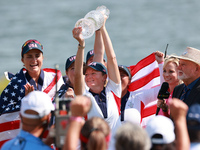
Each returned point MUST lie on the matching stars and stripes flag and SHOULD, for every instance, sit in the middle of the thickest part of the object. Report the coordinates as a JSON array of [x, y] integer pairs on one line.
[[146, 75], [10, 100]]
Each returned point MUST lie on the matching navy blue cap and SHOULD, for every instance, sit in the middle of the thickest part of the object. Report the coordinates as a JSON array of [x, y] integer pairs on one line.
[[125, 68], [69, 61], [89, 54], [193, 115], [96, 66], [31, 44]]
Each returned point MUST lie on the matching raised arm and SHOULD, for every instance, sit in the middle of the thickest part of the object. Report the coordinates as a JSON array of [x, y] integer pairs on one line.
[[79, 108], [178, 110], [112, 66], [79, 83], [98, 47]]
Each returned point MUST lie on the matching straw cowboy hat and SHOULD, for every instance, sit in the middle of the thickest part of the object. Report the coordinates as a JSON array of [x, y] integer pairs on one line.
[[191, 54]]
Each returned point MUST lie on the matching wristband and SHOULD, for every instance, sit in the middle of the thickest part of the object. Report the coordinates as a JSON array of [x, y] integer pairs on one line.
[[77, 119], [80, 46]]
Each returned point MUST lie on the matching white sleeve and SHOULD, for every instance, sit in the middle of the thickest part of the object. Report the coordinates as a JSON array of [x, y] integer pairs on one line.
[[116, 88], [161, 73]]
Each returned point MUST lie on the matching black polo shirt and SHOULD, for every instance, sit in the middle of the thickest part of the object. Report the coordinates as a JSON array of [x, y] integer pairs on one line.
[[101, 101]]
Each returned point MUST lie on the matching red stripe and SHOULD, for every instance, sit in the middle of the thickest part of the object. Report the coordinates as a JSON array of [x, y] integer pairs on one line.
[[53, 83], [50, 70], [149, 111], [142, 63], [12, 125], [141, 109], [144, 80], [2, 142], [118, 102]]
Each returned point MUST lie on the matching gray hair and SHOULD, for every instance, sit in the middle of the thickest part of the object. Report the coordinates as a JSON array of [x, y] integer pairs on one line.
[[131, 137]]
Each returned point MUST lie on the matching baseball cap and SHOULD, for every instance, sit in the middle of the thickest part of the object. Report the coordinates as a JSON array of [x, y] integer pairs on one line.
[[194, 116], [128, 115], [37, 101], [191, 54], [89, 54], [69, 61], [31, 44], [125, 68], [163, 126], [96, 66]]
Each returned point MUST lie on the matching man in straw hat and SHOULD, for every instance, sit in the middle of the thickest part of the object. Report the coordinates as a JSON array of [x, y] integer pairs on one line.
[[189, 73]]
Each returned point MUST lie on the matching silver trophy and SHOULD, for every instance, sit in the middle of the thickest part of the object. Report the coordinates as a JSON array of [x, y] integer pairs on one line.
[[92, 21]]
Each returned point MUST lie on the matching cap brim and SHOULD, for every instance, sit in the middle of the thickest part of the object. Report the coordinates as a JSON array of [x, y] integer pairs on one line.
[[86, 67]]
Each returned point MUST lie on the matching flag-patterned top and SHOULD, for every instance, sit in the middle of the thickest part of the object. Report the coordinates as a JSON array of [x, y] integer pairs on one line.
[[10, 100]]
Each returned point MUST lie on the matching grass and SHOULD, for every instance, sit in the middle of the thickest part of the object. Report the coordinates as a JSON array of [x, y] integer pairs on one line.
[[3, 83]]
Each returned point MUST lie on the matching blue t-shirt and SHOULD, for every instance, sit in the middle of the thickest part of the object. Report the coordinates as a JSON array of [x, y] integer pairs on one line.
[[25, 141]]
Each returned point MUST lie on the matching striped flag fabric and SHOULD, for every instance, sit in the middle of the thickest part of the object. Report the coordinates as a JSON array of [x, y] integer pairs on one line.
[[10, 100], [145, 75]]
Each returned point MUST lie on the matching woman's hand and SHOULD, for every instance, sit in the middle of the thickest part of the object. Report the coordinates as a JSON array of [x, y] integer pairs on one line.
[[77, 34], [162, 104], [28, 88], [159, 56]]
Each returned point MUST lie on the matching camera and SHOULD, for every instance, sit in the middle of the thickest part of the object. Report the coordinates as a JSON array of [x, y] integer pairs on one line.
[[62, 116]]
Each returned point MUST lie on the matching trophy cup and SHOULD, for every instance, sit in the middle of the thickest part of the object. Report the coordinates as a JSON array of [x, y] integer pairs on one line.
[[92, 21]]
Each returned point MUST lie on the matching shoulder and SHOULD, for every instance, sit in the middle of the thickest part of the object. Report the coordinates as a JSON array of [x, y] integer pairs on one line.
[[180, 86], [177, 90], [8, 144]]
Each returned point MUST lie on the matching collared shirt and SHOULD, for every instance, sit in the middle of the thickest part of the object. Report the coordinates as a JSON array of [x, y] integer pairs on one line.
[[190, 86], [32, 82], [25, 141], [101, 101], [123, 104]]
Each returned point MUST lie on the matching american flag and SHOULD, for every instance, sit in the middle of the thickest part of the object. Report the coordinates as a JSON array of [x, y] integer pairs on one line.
[[10, 101], [146, 75]]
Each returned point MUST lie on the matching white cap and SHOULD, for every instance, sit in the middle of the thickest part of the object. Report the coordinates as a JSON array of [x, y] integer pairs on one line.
[[132, 115], [161, 125], [37, 101]]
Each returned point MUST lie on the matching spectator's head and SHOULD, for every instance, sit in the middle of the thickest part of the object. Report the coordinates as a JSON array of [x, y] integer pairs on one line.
[[95, 134], [189, 65], [36, 110], [161, 131], [193, 122], [130, 136]]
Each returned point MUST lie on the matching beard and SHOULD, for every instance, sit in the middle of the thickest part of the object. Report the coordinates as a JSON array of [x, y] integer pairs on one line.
[[182, 76]]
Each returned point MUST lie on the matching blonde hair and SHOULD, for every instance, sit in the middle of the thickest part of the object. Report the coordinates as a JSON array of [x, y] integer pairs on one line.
[[173, 59]]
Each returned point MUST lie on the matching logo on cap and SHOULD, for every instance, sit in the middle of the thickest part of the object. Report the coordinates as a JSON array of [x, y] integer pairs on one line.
[[72, 58]]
